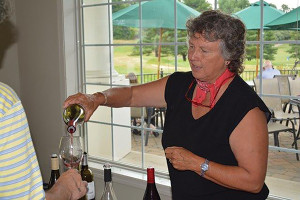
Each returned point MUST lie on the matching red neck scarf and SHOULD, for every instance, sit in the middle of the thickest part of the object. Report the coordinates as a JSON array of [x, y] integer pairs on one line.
[[213, 88]]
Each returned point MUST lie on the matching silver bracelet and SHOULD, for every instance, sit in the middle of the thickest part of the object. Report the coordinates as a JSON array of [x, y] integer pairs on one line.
[[105, 98]]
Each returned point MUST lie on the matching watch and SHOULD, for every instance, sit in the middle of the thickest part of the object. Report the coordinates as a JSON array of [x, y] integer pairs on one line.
[[204, 167]]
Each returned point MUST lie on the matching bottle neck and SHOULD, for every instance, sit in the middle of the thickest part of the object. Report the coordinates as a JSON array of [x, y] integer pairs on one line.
[[71, 126], [108, 184], [150, 175], [107, 175], [54, 163], [84, 167], [84, 159]]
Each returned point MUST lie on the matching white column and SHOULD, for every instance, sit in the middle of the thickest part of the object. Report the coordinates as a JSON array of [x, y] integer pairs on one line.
[[97, 63]]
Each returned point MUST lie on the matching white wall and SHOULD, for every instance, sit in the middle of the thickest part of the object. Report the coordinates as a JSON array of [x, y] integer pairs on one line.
[[41, 74], [9, 68]]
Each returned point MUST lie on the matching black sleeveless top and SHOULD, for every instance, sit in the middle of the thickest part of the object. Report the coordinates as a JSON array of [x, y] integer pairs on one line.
[[207, 136]]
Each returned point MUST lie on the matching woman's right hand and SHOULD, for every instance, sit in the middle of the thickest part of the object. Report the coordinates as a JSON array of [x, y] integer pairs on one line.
[[89, 102]]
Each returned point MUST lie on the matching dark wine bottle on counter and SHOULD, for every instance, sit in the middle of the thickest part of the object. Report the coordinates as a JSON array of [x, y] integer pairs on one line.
[[108, 193], [54, 170], [151, 192], [73, 115], [87, 175]]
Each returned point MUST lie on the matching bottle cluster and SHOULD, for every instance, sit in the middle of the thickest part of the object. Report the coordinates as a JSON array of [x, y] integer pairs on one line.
[[151, 192], [73, 115]]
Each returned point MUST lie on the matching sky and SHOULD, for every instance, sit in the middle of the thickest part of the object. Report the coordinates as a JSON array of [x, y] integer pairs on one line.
[[278, 3]]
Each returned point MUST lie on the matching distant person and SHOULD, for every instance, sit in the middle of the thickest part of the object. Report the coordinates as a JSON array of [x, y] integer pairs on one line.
[[269, 71], [132, 78]]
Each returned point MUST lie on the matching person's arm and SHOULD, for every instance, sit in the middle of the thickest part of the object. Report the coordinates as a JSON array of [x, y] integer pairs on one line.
[[68, 186], [249, 143], [149, 94]]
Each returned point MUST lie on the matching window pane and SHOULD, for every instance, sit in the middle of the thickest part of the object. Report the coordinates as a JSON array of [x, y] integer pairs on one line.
[[97, 60], [91, 2], [96, 25], [127, 60], [100, 140]]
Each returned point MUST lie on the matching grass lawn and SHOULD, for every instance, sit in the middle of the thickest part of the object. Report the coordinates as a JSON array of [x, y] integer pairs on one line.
[[124, 62]]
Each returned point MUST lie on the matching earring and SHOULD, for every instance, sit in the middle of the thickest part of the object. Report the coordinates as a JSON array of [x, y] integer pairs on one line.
[[227, 62]]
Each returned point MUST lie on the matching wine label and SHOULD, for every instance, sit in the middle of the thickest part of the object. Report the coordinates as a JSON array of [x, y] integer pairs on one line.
[[91, 190]]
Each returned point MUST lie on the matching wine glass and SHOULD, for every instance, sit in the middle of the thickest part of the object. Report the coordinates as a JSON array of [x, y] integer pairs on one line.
[[71, 151]]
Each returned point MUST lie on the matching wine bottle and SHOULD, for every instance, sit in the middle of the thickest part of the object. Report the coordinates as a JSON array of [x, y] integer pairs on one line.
[[151, 192], [73, 115], [54, 170], [87, 175], [108, 193]]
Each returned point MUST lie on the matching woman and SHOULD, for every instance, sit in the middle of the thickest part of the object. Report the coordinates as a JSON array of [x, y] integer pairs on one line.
[[215, 135]]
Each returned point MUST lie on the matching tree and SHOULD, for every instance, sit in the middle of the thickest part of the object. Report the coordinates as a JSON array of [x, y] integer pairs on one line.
[[251, 49], [122, 32], [294, 48], [285, 8], [151, 35], [269, 50], [233, 6], [273, 5], [199, 5]]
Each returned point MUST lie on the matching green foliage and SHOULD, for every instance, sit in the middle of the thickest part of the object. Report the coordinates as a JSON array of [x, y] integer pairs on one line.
[[269, 50], [283, 35], [122, 32], [294, 49], [251, 49], [120, 6], [150, 36], [273, 5], [199, 5], [250, 52], [285, 8], [233, 6]]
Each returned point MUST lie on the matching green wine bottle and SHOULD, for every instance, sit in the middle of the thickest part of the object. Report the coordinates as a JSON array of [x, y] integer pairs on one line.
[[54, 170], [73, 115], [87, 175]]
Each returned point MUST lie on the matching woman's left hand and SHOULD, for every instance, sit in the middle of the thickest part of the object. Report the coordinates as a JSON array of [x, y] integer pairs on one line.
[[183, 159]]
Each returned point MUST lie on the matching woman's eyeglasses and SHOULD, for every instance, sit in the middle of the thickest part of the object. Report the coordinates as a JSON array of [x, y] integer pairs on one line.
[[195, 103], [212, 102]]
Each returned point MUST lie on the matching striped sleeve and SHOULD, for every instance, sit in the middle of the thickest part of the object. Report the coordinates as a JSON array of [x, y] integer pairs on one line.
[[20, 176]]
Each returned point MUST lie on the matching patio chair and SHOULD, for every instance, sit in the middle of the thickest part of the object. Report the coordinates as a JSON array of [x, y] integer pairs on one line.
[[275, 128], [271, 87], [294, 83], [295, 86], [149, 115], [284, 88], [276, 125]]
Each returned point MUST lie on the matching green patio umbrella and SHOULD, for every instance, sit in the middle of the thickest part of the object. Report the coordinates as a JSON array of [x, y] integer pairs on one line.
[[251, 18], [155, 14], [289, 20]]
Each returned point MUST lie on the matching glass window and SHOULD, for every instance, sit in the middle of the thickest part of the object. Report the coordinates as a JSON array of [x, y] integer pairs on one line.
[[117, 50]]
